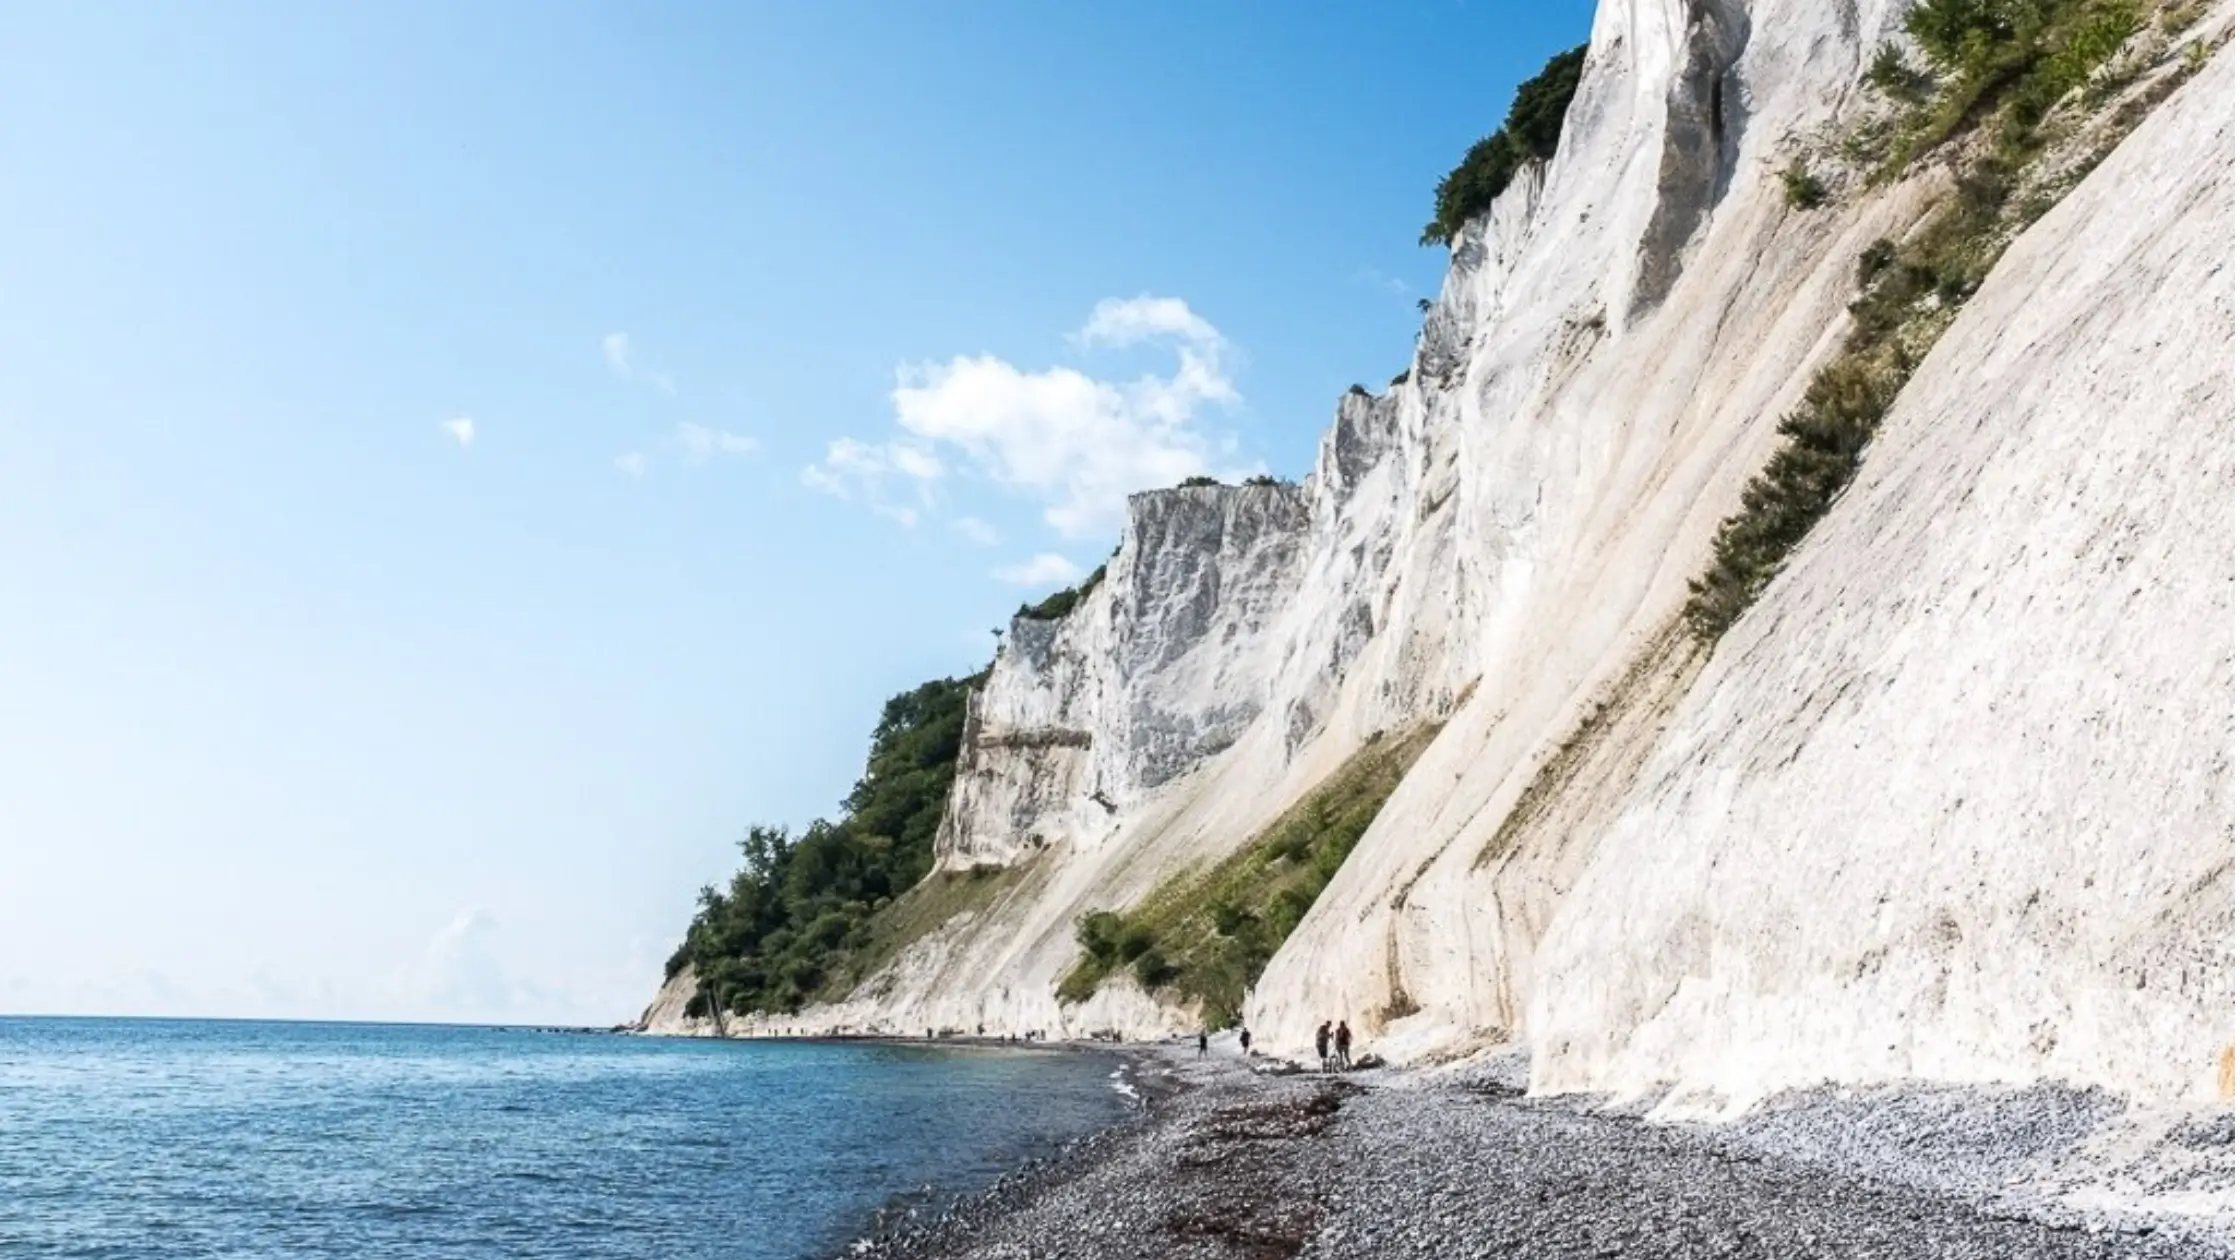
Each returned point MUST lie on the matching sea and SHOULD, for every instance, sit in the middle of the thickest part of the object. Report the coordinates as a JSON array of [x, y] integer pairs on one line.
[[159, 1138]]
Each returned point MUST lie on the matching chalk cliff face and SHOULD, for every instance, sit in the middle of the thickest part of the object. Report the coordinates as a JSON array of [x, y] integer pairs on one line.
[[1953, 801], [1159, 668]]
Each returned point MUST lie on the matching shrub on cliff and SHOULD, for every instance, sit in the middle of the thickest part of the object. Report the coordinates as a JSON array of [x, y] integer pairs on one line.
[[1534, 125], [1894, 76], [1999, 62], [1059, 603], [1098, 934], [1802, 189], [1825, 438], [1205, 936], [801, 907], [2001, 67]]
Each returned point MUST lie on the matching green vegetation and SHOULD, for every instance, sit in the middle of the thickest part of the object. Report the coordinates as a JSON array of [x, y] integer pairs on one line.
[[2007, 63], [1059, 603], [1999, 69], [1802, 189], [1206, 935], [1188, 482], [1895, 77], [1534, 125], [1262, 479], [804, 914], [929, 904]]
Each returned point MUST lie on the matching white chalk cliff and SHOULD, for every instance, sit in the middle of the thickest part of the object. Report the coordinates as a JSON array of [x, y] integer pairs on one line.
[[1953, 801]]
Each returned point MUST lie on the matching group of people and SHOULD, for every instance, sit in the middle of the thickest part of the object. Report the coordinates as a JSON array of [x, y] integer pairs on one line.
[[1334, 1048]]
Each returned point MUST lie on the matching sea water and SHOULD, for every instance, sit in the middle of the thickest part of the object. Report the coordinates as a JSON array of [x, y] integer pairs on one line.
[[159, 1138]]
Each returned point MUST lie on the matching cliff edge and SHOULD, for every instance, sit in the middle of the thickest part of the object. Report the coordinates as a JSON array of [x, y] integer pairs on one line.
[[1947, 798]]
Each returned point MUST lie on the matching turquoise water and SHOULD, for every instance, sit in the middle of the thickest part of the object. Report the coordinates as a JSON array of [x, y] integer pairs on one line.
[[159, 1138]]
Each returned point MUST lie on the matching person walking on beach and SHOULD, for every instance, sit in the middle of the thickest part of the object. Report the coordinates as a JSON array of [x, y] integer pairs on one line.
[[1201, 1043], [1322, 1045], [1343, 1039], [1244, 1041]]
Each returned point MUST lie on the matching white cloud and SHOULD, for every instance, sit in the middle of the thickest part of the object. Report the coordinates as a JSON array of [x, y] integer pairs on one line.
[[978, 531], [894, 478], [700, 443], [913, 461], [460, 973], [1043, 570], [620, 355], [632, 463], [862, 460], [461, 429], [1079, 444], [1126, 321]]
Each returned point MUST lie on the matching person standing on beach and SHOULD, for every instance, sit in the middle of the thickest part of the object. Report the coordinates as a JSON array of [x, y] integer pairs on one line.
[[1343, 1038], [1322, 1045], [1244, 1041], [1201, 1043]]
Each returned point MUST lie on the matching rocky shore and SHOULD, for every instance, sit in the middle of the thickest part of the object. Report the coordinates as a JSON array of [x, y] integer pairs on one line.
[[1226, 1161]]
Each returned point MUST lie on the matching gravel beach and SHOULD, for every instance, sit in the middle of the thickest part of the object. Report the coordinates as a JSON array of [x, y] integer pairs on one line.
[[1225, 1161]]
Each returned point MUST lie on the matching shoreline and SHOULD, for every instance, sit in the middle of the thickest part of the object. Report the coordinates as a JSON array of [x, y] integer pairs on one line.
[[1069, 1045], [1225, 1158]]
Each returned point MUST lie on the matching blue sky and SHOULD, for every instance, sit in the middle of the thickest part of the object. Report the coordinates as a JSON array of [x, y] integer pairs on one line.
[[461, 463]]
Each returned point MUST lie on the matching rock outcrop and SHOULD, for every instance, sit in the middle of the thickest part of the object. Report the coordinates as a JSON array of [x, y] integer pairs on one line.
[[1158, 668], [1953, 801]]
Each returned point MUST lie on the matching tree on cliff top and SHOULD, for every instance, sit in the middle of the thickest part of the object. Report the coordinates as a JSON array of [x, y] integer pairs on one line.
[[1534, 125], [801, 905], [1059, 603]]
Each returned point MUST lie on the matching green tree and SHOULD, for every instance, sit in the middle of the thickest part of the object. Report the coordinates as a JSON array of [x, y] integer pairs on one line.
[[1957, 33], [800, 906], [1059, 603], [1534, 125]]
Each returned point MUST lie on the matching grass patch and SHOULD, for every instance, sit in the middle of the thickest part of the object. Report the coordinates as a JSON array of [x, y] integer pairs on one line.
[[918, 913], [1205, 935], [2000, 72]]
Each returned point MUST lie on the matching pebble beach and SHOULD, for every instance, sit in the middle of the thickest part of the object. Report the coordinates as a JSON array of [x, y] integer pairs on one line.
[[1231, 1157]]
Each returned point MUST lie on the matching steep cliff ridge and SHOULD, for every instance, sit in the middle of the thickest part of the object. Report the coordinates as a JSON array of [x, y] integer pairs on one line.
[[1624, 450], [1157, 668], [1968, 763], [1621, 379], [1952, 802]]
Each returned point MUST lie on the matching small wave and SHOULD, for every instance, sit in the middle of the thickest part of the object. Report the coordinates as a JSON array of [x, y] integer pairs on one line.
[[1123, 1086]]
